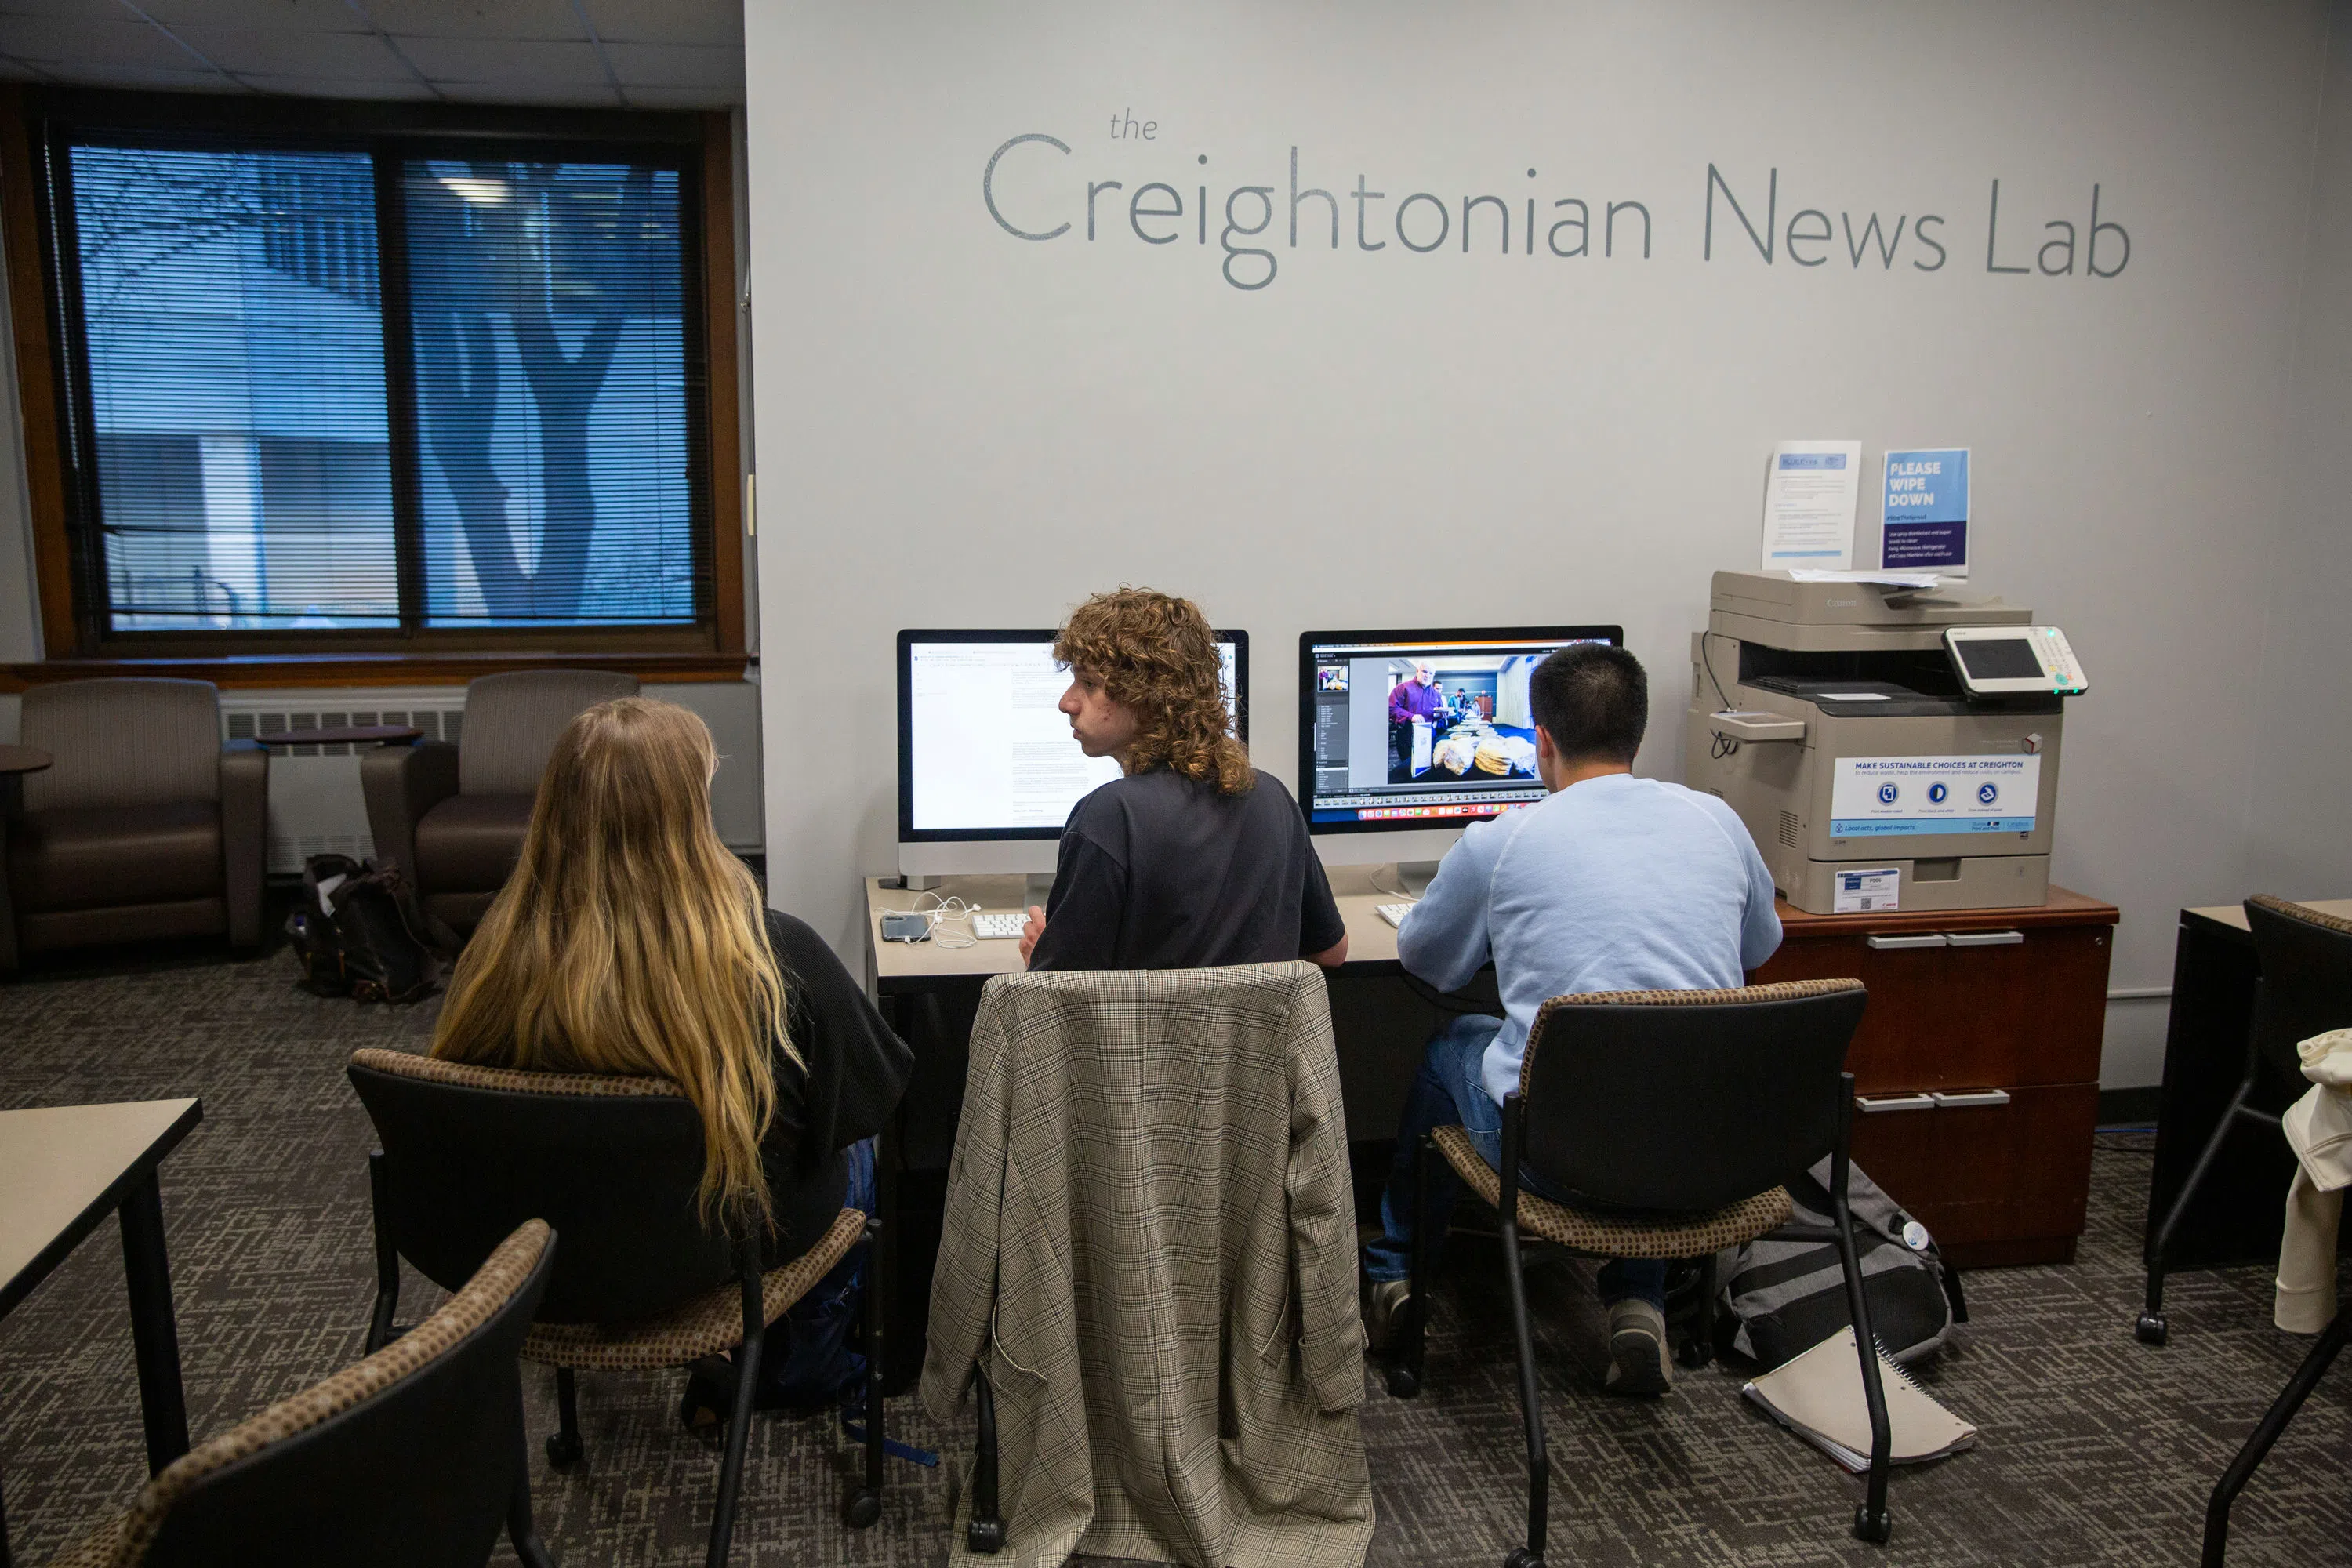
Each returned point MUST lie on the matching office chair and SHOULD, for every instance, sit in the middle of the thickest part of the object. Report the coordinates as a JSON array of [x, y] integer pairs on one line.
[[146, 825], [1677, 1116], [2305, 989], [452, 817], [616, 1164], [411, 1459]]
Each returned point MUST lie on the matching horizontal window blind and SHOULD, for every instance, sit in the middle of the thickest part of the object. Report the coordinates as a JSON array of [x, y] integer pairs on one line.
[[551, 370], [235, 364]]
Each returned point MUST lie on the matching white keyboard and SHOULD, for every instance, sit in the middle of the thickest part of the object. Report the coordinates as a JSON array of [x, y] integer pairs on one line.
[[1394, 914], [994, 925]]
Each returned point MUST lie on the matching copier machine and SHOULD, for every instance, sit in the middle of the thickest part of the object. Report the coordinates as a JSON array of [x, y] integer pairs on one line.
[[1889, 748]]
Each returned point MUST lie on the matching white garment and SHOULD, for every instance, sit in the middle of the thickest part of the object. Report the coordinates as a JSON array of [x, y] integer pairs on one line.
[[2318, 1127]]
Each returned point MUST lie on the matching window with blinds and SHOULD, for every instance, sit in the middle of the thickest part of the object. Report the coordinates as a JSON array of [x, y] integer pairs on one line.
[[379, 389]]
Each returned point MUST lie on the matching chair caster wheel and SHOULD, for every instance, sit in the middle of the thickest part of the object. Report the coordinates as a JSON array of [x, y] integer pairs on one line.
[[1403, 1383], [985, 1536], [1878, 1527], [2151, 1329], [1695, 1353], [1523, 1558], [865, 1509], [563, 1450]]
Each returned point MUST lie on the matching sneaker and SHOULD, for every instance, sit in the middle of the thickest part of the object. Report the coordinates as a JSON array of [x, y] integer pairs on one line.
[[1638, 1362], [1384, 1305]]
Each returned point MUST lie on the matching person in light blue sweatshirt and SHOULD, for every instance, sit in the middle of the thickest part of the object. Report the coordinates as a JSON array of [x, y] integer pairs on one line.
[[1609, 883]]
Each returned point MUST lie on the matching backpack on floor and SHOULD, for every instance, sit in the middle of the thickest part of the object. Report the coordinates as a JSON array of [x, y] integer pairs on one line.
[[1786, 1296], [353, 934]]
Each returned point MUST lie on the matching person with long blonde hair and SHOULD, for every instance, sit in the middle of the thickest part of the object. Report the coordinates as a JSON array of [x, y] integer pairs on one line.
[[629, 941]]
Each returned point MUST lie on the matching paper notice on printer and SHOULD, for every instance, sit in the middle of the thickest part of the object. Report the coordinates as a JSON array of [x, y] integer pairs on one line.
[[1875, 888], [1898, 797], [1810, 493]]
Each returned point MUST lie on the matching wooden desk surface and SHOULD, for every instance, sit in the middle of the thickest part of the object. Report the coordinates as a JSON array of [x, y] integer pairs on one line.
[[2235, 914], [2065, 907], [58, 1164], [1371, 941]]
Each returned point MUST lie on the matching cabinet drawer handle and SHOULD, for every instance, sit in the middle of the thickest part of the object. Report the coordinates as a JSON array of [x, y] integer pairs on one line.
[[1968, 1097], [1985, 938], [1903, 943], [1871, 1104]]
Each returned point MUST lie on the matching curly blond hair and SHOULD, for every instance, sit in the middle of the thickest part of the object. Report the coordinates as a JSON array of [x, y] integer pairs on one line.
[[1156, 654]]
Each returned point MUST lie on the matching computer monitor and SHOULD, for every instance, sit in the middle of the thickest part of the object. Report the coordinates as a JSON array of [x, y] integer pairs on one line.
[[1405, 737], [988, 770]]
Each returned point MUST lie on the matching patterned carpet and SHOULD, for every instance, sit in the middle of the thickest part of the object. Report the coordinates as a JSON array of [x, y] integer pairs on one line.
[[2094, 1449]]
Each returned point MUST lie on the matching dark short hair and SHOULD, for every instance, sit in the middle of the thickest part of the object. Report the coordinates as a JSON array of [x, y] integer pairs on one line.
[[1594, 700]]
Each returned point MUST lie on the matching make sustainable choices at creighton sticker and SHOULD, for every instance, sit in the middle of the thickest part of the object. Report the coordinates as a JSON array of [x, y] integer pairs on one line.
[[1900, 796], [1252, 211]]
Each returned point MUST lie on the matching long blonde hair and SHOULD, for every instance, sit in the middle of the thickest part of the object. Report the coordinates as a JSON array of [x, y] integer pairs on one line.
[[629, 941]]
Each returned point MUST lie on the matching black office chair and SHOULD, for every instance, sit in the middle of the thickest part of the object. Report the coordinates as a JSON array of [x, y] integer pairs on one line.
[[1675, 1116], [616, 1164], [2304, 989], [411, 1459]]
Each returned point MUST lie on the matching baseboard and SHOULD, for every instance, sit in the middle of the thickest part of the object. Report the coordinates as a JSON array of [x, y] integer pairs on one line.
[[2129, 1107]]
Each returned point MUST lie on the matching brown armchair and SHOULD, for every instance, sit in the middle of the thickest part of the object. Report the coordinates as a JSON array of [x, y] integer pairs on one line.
[[451, 816], [147, 824]]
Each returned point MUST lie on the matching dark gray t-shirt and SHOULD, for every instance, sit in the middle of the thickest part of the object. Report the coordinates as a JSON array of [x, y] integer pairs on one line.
[[1160, 871]]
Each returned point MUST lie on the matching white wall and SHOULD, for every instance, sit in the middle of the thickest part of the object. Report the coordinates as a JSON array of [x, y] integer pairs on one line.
[[2299, 810], [979, 429]]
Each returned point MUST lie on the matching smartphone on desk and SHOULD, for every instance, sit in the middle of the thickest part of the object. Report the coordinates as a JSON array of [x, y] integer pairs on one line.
[[904, 925]]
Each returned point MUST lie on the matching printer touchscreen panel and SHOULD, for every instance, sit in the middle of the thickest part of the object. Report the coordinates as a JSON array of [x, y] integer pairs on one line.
[[1998, 658]]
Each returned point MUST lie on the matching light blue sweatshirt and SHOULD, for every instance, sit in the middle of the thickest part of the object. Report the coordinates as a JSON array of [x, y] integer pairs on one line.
[[1616, 883]]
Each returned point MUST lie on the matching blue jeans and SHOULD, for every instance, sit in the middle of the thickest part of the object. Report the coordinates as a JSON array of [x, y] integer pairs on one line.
[[811, 1353], [1450, 1090]]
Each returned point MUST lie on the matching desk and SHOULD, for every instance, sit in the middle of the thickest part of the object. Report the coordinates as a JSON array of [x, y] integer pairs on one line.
[[2240, 1209], [930, 994], [2012, 1005], [64, 1169], [24, 760]]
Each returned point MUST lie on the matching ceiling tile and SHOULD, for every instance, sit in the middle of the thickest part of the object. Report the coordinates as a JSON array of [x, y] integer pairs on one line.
[[503, 60], [331, 57], [535, 94], [676, 65], [405, 90], [260, 15], [477, 18], [687, 97], [668, 21], [92, 43]]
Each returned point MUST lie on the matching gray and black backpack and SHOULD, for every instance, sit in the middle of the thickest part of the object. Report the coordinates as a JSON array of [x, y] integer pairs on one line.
[[1787, 1297]]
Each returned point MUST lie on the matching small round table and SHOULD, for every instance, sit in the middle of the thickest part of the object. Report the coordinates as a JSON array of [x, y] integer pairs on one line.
[[352, 734], [23, 759]]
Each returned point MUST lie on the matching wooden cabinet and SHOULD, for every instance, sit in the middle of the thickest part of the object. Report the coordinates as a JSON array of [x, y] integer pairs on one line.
[[1982, 1041]]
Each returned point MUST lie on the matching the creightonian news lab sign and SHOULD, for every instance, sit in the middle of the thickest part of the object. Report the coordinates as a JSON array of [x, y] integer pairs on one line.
[[1038, 189]]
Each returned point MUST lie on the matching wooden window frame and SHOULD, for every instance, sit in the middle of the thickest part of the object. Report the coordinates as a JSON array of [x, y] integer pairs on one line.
[[77, 647]]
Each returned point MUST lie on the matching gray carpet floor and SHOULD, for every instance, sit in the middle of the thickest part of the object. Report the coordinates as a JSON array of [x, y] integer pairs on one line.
[[2093, 1449]]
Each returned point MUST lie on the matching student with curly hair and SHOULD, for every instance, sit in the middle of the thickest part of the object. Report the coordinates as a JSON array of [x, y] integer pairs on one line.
[[1191, 858]]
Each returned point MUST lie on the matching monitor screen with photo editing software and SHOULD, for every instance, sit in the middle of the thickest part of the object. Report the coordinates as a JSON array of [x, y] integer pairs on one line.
[[1402, 730], [984, 750]]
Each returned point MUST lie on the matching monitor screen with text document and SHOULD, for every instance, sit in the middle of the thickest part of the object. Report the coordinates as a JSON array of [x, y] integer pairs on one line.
[[1421, 732], [985, 753]]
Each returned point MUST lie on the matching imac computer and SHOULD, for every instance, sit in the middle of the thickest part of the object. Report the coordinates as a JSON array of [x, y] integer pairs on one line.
[[988, 770], [1405, 737]]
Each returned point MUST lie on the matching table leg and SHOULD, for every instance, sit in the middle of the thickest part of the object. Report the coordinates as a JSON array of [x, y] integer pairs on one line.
[[155, 1333]]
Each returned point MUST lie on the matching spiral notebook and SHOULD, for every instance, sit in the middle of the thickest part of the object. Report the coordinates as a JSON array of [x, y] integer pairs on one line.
[[1818, 1396]]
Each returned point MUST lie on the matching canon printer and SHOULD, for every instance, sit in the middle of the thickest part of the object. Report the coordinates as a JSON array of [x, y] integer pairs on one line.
[[1888, 747]]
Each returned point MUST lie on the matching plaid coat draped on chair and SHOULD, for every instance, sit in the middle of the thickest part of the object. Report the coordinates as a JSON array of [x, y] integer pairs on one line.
[[1149, 1251]]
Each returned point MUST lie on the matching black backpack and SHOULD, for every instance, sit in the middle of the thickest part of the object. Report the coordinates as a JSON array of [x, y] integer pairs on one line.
[[1786, 1296], [354, 934]]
